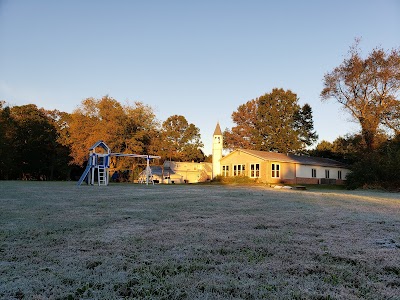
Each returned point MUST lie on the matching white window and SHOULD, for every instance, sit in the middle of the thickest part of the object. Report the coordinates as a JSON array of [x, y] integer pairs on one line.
[[225, 170], [275, 168], [313, 173], [339, 174], [254, 170], [326, 173], [238, 170]]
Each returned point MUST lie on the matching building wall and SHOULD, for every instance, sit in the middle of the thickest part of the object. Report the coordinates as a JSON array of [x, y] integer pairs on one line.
[[290, 173], [286, 170], [304, 171], [240, 158], [189, 172]]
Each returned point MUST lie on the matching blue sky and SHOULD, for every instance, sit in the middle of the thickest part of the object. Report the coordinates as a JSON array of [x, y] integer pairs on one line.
[[199, 59]]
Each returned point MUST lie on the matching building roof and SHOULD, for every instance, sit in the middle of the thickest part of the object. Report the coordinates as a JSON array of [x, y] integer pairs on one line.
[[158, 170], [293, 158], [217, 130], [100, 144]]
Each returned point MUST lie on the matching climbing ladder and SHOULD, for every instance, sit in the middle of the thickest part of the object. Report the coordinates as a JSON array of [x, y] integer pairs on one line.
[[102, 175]]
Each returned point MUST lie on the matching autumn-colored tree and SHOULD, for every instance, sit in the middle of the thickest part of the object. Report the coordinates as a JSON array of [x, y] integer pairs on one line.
[[125, 129], [243, 134], [272, 122], [140, 128], [369, 89], [180, 140]]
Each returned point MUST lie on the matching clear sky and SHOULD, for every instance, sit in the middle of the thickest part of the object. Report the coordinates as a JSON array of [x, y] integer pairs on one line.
[[199, 59]]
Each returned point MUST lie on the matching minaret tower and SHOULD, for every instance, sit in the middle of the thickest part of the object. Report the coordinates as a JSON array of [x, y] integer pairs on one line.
[[216, 151]]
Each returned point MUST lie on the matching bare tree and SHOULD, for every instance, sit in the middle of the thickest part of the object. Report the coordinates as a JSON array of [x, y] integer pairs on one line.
[[369, 89]]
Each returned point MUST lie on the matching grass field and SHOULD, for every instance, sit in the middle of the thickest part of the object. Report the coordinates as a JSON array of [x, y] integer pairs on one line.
[[59, 241]]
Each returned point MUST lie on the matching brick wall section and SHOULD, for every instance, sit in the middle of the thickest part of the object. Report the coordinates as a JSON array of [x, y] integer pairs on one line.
[[301, 180]]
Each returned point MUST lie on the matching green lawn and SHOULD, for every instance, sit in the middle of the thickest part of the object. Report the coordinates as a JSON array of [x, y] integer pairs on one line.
[[60, 241]]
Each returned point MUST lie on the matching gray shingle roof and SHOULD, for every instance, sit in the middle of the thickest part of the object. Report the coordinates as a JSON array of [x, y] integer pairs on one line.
[[157, 170], [293, 158]]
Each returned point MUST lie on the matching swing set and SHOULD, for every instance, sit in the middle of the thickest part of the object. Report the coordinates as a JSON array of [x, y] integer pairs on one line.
[[99, 164]]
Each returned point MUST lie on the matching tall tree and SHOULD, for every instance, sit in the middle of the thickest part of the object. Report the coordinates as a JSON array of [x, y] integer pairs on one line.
[[181, 140], [7, 150], [369, 89], [34, 140], [304, 124], [272, 122], [140, 128], [125, 129], [246, 120], [60, 167]]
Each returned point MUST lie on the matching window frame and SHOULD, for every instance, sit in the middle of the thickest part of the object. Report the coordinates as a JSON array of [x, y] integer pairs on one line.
[[239, 170], [313, 173], [225, 170], [275, 170], [327, 173], [254, 171]]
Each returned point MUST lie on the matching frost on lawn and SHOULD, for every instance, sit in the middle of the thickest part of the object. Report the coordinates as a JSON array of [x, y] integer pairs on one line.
[[58, 241]]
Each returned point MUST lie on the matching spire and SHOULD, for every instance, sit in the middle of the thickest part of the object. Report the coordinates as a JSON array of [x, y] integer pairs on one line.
[[217, 130]]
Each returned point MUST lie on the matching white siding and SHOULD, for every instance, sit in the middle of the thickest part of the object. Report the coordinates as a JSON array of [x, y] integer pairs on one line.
[[304, 171]]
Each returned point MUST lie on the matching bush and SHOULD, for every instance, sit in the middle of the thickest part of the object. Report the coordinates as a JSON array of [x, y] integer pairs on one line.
[[379, 169], [234, 180]]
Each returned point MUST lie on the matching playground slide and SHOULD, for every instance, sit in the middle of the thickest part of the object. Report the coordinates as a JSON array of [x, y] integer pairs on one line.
[[84, 175]]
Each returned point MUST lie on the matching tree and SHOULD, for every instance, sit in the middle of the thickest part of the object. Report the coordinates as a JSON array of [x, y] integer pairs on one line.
[[305, 125], [272, 122], [33, 138], [125, 129], [345, 149], [379, 168], [60, 160], [140, 128], [369, 89], [242, 135], [180, 140], [7, 151], [323, 149]]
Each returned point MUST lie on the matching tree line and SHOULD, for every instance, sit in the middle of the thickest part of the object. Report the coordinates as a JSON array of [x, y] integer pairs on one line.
[[49, 144], [36, 143]]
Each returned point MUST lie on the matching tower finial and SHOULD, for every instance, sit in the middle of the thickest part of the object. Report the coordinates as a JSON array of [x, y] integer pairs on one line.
[[217, 130]]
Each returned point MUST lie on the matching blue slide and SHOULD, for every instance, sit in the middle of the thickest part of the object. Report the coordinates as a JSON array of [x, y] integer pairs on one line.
[[84, 175]]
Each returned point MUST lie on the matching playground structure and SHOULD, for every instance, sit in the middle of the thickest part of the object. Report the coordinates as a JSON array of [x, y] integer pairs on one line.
[[99, 164]]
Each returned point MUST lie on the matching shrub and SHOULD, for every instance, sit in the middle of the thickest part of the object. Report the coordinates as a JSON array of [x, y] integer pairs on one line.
[[234, 180], [378, 169]]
